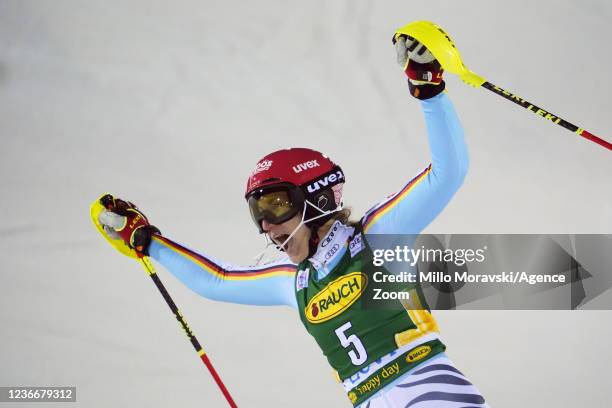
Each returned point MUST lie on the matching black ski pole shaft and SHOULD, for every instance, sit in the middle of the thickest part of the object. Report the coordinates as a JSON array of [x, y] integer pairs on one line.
[[146, 263], [546, 114]]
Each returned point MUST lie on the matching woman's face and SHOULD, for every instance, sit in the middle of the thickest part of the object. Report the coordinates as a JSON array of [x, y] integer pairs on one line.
[[297, 247]]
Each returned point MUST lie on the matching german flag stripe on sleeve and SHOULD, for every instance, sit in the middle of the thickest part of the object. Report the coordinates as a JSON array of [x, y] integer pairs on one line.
[[220, 273], [382, 208]]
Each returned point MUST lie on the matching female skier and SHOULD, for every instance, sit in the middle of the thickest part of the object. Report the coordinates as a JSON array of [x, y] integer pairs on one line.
[[384, 358]]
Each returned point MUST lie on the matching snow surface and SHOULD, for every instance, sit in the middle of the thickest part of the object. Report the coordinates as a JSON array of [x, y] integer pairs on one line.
[[170, 104]]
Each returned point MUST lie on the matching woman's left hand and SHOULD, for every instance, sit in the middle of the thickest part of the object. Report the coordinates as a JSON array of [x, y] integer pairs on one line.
[[424, 72]]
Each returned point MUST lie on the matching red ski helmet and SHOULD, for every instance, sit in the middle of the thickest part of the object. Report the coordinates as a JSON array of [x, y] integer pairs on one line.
[[284, 180]]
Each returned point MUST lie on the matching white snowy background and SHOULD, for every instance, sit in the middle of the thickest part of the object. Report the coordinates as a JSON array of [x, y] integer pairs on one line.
[[170, 105]]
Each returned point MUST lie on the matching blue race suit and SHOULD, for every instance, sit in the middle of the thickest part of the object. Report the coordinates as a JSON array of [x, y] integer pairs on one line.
[[408, 211]]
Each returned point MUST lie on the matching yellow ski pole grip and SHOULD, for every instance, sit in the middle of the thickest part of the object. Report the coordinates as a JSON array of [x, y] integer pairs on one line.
[[95, 209], [443, 48]]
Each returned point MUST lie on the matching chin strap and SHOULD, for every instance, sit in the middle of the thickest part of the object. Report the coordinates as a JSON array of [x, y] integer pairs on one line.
[[313, 241]]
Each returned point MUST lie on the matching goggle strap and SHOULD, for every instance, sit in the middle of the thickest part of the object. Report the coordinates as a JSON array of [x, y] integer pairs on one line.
[[323, 212]]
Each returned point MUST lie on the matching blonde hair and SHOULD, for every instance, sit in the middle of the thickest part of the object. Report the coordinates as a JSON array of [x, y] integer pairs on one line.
[[344, 216]]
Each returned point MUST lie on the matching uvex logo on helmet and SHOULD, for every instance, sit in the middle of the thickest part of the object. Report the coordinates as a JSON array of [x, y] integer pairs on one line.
[[297, 166], [310, 164], [327, 181]]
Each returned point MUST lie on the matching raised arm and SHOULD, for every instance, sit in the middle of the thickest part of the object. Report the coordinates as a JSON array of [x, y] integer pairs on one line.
[[266, 285], [425, 196]]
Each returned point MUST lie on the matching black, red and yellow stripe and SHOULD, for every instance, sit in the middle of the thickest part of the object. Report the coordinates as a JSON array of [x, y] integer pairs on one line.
[[385, 207], [220, 273]]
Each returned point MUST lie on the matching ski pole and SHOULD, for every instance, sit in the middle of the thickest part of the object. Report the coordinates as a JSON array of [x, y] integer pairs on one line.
[[95, 210], [545, 114], [148, 266], [439, 43]]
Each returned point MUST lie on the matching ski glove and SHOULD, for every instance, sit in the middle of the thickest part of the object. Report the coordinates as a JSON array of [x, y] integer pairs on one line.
[[123, 220], [423, 70]]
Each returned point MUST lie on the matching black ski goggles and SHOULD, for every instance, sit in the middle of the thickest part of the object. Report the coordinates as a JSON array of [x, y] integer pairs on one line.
[[276, 204]]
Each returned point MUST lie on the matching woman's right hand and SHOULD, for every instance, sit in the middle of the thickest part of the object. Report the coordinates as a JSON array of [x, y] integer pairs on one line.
[[123, 220]]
